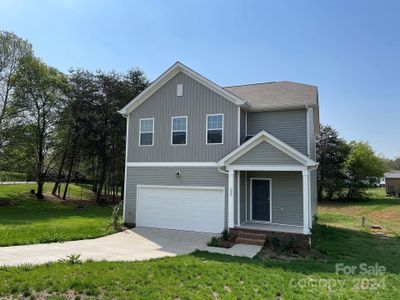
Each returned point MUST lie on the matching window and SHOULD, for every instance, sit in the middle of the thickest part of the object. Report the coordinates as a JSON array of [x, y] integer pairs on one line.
[[146, 132], [179, 131], [215, 129]]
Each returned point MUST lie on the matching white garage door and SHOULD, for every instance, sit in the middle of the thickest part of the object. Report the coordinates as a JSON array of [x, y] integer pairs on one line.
[[182, 208]]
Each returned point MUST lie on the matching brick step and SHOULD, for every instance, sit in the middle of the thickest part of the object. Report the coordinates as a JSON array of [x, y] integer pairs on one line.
[[240, 240], [248, 230], [254, 236]]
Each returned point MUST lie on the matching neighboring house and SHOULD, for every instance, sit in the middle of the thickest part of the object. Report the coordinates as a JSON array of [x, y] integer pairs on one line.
[[205, 158], [392, 182]]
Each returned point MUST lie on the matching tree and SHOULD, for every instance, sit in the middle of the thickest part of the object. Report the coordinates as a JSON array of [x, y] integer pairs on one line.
[[363, 167], [12, 50], [38, 98], [95, 131], [332, 152], [392, 164]]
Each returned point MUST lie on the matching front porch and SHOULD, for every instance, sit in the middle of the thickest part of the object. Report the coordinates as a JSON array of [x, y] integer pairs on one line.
[[271, 227], [269, 199], [270, 186]]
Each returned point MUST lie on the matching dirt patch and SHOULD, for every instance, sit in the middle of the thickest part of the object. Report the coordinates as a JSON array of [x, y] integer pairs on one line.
[[269, 253], [388, 214], [5, 203], [349, 210]]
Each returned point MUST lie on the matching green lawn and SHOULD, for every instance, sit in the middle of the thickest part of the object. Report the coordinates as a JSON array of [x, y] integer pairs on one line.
[[208, 276], [12, 176], [378, 209], [30, 221], [205, 276]]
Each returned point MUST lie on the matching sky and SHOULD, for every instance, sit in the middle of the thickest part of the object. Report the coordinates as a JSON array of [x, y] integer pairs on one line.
[[349, 49]]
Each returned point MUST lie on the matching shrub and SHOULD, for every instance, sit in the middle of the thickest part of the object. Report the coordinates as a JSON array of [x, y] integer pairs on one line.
[[291, 245], [72, 259], [225, 235], [213, 242], [114, 222]]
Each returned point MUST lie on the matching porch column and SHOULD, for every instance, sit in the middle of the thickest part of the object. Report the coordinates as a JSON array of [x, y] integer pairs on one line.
[[306, 202], [231, 181]]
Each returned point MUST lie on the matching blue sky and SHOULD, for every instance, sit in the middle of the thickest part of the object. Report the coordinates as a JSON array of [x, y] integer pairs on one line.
[[349, 49]]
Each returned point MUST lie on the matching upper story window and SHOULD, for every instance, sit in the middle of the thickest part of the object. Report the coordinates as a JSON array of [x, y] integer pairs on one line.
[[146, 132], [215, 129], [179, 131]]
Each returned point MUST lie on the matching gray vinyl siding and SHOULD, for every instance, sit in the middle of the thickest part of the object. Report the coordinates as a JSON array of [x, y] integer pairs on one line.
[[242, 126], [287, 196], [197, 101], [313, 174], [242, 196], [311, 137], [191, 176], [265, 154], [314, 192], [290, 126]]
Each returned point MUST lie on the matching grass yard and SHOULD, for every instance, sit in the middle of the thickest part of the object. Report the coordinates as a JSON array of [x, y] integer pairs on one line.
[[208, 276], [12, 176], [212, 276], [26, 220], [378, 209]]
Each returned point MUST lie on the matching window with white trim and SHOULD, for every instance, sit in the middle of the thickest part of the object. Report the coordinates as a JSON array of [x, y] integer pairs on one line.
[[215, 129], [179, 131], [146, 132]]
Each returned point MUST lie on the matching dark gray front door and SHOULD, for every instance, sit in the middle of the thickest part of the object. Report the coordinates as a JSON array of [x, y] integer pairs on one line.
[[261, 200]]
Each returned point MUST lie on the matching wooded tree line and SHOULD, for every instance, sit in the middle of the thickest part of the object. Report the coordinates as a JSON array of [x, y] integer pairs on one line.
[[63, 127], [347, 169]]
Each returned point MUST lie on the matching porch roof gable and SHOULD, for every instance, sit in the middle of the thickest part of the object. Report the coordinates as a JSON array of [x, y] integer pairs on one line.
[[262, 137]]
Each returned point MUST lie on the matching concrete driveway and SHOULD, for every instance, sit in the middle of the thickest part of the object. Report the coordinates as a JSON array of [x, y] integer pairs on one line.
[[129, 245]]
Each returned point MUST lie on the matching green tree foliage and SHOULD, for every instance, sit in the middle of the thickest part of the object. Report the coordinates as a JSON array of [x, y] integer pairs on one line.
[[12, 50], [38, 98], [95, 143], [345, 168], [363, 167], [392, 164], [332, 152]]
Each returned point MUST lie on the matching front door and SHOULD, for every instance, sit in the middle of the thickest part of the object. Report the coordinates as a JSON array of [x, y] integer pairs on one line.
[[260, 197]]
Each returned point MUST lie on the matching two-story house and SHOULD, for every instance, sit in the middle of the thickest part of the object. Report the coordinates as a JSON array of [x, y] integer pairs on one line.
[[201, 157]]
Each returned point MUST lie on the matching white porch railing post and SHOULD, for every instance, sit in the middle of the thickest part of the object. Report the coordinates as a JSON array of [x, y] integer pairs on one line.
[[231, 182], [306, 202]]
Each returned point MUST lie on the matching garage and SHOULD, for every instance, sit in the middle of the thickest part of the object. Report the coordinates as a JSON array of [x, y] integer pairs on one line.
[[182, 208]]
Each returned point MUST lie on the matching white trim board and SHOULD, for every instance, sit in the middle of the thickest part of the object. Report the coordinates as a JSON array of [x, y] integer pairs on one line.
[[167, 75], [266, 168], [126, 169], [171, 164]]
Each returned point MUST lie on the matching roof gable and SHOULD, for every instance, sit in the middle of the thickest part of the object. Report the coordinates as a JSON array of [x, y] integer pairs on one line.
[[281, 151], [267, 154], [170, 73]]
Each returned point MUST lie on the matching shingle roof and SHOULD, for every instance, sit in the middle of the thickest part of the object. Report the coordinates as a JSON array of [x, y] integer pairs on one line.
[[392, 174], [276, 95]]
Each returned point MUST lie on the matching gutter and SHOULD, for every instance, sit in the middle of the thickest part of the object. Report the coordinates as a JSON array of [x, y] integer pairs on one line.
[[223, 172]]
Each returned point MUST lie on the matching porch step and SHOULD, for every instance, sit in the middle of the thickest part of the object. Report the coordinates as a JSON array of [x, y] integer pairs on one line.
[[241, 240], [254, 236], [250, 237]]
